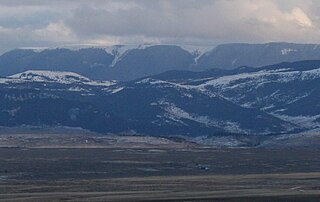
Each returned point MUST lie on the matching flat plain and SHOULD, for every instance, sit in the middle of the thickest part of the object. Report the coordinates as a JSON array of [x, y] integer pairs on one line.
[[158, 173]]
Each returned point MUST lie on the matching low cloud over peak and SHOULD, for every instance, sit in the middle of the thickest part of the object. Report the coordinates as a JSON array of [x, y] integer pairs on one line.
[[58, 22]]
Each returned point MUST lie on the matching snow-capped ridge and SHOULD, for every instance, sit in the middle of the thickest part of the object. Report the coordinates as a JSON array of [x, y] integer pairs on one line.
[[57, 77], [50, 76]]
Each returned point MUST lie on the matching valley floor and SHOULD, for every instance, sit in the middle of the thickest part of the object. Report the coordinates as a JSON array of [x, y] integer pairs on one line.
[[253, 187], [185, 173]]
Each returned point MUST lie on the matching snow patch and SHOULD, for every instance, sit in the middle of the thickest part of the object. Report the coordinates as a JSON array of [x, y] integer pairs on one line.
[[286, 51], [302, 121], [76, 89]]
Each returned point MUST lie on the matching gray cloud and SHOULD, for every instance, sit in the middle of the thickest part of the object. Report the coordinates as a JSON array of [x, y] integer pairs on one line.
[[106, 22]]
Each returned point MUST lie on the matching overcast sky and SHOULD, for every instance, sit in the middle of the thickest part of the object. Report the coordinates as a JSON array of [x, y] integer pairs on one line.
[[51, 23]]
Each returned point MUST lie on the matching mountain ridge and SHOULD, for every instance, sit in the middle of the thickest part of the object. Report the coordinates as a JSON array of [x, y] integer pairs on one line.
[[135, 61], [195, 104]]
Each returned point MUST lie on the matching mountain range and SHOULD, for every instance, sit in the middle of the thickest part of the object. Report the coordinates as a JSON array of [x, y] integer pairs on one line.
[[125, 63], [271, 100], [167, 90]]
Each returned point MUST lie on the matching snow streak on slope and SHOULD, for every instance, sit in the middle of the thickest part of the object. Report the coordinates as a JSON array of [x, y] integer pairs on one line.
[[120, 51], [178, 115], [302, 121]]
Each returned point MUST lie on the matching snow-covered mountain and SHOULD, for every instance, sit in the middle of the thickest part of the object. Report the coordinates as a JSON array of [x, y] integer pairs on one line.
[[129, 62], [288, 91], [235, 105]]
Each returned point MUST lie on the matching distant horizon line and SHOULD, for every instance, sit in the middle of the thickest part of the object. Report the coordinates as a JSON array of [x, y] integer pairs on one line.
[[154, 44]]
